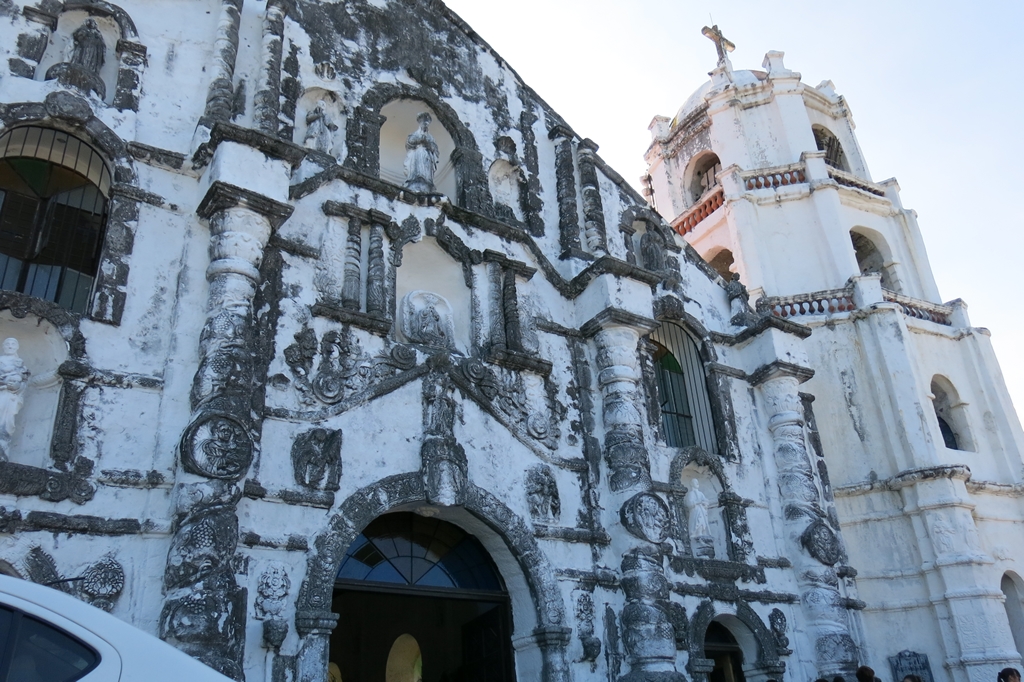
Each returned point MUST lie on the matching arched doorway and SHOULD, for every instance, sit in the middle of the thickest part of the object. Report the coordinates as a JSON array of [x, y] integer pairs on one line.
[[409, 579], [721, 647]]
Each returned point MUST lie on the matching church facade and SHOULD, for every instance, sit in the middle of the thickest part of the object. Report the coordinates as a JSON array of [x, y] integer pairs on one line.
[[338, 354]]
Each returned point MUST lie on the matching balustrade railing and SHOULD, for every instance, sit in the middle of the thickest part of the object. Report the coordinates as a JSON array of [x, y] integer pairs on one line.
[[685, 223], [774, 178], [816, 303], [850, 180], [918, 309]]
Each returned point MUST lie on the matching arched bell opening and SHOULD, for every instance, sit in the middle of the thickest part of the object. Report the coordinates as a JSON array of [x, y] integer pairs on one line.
[[421, 601]]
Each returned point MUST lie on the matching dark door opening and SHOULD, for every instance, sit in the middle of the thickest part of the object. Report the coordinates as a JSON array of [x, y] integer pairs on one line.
[[721, 647], [420, 601]]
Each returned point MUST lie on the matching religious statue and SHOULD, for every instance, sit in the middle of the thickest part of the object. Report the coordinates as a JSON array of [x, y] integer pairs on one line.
[[739, 302], [13, 377], [320, 129], [697, 512], [421, 157], [88, 51]]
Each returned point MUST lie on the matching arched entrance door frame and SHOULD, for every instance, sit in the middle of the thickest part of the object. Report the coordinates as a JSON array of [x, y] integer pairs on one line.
[[760, 648], [540, 635]]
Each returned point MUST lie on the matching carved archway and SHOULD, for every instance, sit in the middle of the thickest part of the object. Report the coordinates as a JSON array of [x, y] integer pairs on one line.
[[363, 141], [536, 598], [766, 662]]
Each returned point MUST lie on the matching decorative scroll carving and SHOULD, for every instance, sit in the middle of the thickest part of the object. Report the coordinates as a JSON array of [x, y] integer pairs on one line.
[[542, 494], [427, 318], [100, 584], [316, 459], [777, 619], [54, 486], [513, 399]]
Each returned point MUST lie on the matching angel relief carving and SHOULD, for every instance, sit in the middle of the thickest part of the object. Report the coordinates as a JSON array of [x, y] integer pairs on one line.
[[336, 367]]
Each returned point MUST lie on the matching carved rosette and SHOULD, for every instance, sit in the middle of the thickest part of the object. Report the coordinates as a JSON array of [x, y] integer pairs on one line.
[[814, 546], [204, 611]]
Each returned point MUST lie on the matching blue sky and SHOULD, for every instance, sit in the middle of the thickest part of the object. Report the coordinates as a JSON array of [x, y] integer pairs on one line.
[[933, 88]]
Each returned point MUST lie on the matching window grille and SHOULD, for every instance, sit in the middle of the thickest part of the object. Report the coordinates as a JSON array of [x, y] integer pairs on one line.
[[686, 416], [53, 205]]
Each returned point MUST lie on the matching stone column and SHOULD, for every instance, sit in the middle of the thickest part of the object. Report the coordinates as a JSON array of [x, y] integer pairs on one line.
[[376, 293], [221, 95], [593, 208], [565, 187], [813, 545], [314, 627], [353, 260], [267, 101], [204, 610]]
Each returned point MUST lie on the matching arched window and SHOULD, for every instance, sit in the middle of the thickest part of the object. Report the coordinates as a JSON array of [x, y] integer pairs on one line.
[[871, 260], [53, 206], [705, 176], [722, 263], [950, 413], [827, 142], [686, 417]]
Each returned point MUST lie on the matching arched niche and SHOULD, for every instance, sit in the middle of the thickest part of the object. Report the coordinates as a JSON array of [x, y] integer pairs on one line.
[[646, 238], [951, 415], [697, 478], [307, 115], [874, 257], [42, 349], [1013, 589], [827, 142], [505, 180], [427, 268], [540, 633], [701, 176], [401, 121]]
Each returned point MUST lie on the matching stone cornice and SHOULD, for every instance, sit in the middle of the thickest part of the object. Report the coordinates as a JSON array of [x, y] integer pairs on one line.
[[222, 196], [616, 317], [780, 368], [269, 145]]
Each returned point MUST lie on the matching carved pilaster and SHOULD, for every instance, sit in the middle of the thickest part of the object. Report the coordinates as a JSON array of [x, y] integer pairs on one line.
[[220, 97], [376, 296], [814, 546], [204, 610], [593, 208], [353, 256], [267, 101], [565, 189]]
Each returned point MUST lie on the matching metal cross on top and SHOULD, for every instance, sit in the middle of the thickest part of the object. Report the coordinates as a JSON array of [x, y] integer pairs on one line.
[[722, 44]]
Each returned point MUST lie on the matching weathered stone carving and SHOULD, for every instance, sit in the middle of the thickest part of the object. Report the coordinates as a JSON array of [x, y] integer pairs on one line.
[[619, 376], [739, 302], [54, 486], [702, 544], [593, 209], [13, 378], [585, 628], [88, 49], [943, 535], [909, 662], [647, 631], [344, 369], [316, 459], [427, 318], [822, 544], [509, 397], [652, 249], [421, 157], [218, 446], [272, 592], [777, 620], [42, 569], [445, 466], [102, 583], [646, 516], [542, 494], [320, 129]]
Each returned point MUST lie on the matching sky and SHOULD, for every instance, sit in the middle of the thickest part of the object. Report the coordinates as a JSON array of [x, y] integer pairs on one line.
[[933, 88]]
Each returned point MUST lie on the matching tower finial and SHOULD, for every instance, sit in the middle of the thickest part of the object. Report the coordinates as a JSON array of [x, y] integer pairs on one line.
[[722, 44]]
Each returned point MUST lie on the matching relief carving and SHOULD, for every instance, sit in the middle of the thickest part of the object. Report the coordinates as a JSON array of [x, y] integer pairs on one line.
[[777, 620], [647, 517], [702, 544], [585, 627], [316, 459], [272, 592], [822, 544], [542, 494], [427, 319], [13, 379], [100, 584], [218, 446]]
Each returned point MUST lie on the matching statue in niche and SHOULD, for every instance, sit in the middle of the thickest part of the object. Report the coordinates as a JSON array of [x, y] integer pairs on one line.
[[427, 319], [88, 50], [421, 157], [542, 494], [13, 377], [320, 129], [701, 542]]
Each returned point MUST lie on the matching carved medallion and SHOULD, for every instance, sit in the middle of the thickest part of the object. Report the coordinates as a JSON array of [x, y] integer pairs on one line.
[[821, 543], [646, 516], [217, 446], [102, 583]]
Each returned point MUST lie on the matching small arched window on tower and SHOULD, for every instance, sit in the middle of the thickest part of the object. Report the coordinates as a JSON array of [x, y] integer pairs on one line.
[[951, 415], [705, 176], [873, 258], [722, 263], [53, 206], [686, 416], [827, 142]]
